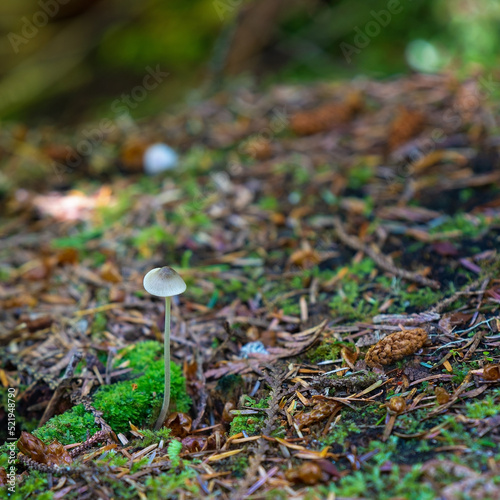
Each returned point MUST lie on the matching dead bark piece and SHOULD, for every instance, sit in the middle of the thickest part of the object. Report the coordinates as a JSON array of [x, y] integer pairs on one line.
[[396, 346]]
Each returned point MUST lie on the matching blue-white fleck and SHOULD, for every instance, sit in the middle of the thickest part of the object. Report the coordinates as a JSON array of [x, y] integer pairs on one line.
[[251, 348], [158, 158]]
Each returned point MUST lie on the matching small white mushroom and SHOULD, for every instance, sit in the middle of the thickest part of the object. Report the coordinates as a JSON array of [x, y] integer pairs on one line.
[[164, 282]]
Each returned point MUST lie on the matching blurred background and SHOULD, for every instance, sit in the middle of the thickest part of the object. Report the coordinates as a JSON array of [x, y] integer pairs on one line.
[[68, 61]]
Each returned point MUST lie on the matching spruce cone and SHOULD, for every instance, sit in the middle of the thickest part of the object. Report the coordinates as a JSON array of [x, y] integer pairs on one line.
[[406, 125], [396, 346], [325, 117]]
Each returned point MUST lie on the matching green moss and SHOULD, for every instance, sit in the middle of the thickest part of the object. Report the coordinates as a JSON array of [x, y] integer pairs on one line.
[[489, 406], [385, 485], [249, 424], [340, 432], [460, 371], [174, 449], [113, 459], [141, 355], [149, 239], [169, 485], [269, 203], [78, 240], [469, 225], [239, 466], [138, 400], [327, 351], [349, 304], [73, 426], [419, 299], [230, 386], [359, 175], [349, 423], [151, 437], [33, 486], [350, 300], [99, 323]]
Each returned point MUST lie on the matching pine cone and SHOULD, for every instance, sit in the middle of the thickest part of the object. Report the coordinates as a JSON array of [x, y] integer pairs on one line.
[[407, 124], [326, 116], [396, 346]]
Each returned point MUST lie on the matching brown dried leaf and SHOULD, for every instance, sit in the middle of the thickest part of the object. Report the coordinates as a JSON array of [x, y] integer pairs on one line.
[[321, 410], [304, 258], [308, 473], [442, 396], [3, 476], [180, 423], [36, 449], [451, 320], [67, 256], [193, 444], [109, 272], [259, 148], [491, 372], [57, 455]]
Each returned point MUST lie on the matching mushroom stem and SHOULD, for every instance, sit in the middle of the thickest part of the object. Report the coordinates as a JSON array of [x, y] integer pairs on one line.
[[166, 394]]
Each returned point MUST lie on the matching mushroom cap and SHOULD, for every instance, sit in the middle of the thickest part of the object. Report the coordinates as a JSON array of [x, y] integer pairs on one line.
[[163, 282]]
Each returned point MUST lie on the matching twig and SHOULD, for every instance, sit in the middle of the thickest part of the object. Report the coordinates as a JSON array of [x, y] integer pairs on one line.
[[63, 385], [109, 364], [98, 436], [479, 300], [382, 261], [442, 305]]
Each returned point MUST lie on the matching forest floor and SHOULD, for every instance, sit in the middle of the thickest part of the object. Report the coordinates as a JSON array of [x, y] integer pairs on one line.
[[339, 335]]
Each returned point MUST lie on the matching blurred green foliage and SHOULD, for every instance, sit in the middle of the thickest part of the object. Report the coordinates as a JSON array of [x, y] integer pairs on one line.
[[105, 47]]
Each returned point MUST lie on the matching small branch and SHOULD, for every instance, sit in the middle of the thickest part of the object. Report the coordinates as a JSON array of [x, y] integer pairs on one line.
[[61, 389], [441, 306], [381, 260]]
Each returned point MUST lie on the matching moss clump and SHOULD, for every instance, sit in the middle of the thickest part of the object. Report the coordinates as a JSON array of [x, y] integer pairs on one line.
[[141, 355], [151, 437], [230, 386], [487, 407], [350, 422], [74, 426], [169, 485], [249, 424], [328, 351], [349, 301], [469, 225], [139, 400], [325, 351], [239, 466]]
